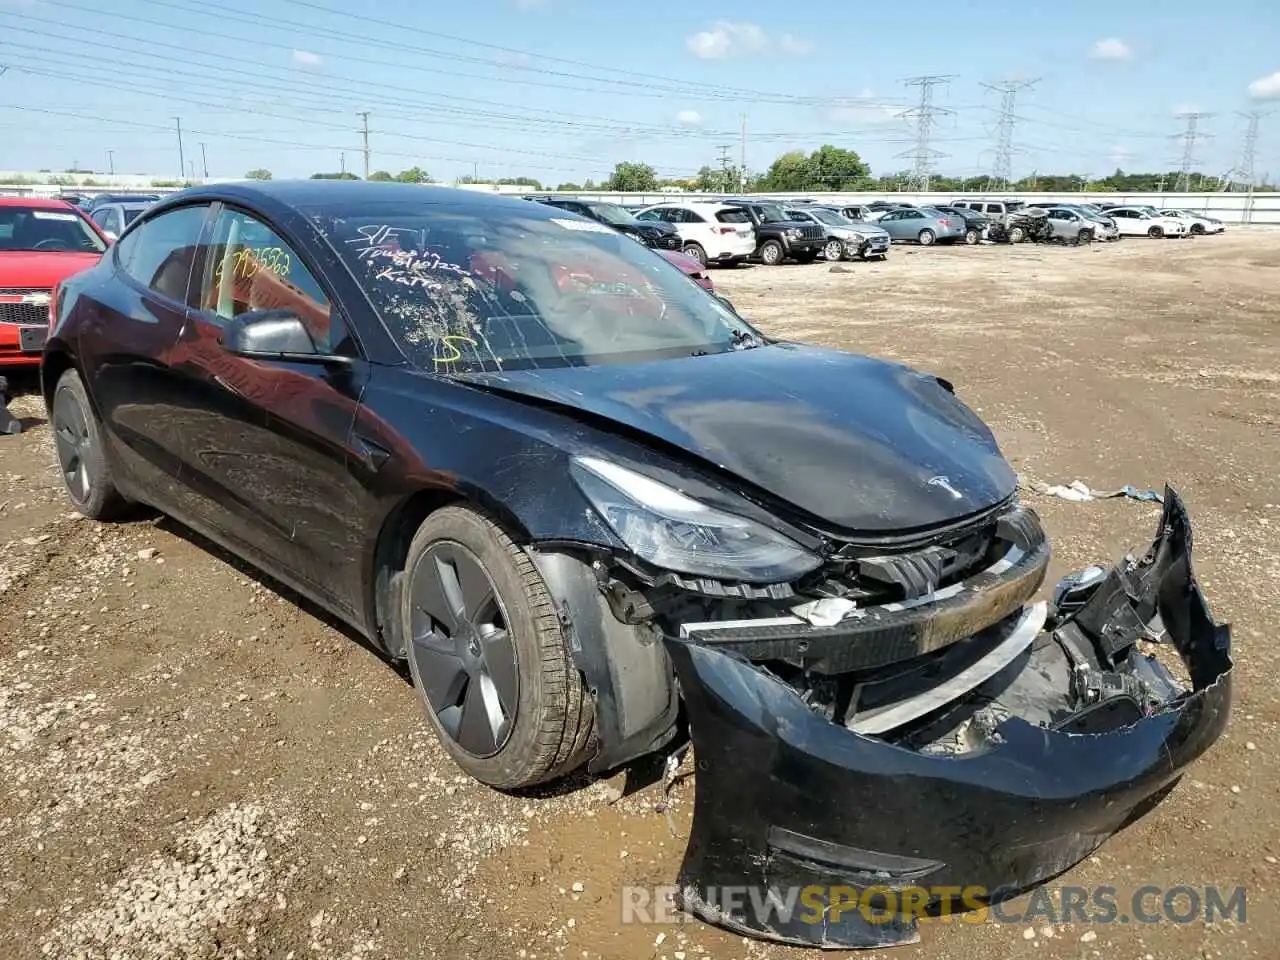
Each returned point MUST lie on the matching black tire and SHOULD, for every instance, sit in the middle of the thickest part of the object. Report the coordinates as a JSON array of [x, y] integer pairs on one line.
[[554, 716], [696, 251], [1155, 233], [1084, 237], [833, 250], [81, 459], [972, 236], [926, 237], [1197, 229], [771, 253], [1017, 234]]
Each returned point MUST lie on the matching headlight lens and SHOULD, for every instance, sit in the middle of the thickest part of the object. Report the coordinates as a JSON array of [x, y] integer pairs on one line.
[[794, 234], [670, 530]]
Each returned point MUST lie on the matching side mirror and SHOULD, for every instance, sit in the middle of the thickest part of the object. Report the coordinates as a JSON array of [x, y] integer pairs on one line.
[[273, 335]]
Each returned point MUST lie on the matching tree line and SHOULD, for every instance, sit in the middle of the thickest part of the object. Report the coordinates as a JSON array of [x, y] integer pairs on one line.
[[826, 169]]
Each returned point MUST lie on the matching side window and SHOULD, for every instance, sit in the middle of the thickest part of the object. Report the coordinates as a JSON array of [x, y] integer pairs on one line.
[[161, 252], [109, 220], [247, 267], [891, 215], [692, 216], [649, 215]]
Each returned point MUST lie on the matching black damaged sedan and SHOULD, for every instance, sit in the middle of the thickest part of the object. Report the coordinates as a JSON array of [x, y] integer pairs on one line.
[[592, 508]]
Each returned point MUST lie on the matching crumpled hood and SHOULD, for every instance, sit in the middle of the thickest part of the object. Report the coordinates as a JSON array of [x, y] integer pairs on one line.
[[41, 268], [857, 443]]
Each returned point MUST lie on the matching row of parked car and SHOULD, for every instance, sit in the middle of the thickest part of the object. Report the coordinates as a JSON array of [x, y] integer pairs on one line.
[[733, 230]]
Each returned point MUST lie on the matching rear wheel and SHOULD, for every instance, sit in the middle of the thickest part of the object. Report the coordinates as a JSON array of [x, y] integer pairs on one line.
[[926, 237], [771, 253], [77, 436], [488, 656], [696, 251], [834, 250]]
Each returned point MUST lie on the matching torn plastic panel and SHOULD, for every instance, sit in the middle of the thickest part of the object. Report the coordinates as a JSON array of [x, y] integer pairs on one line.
[[1004, 786]]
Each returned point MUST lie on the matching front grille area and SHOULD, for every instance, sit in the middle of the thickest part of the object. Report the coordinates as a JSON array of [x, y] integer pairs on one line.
[[811, 231], [29, 314], [668, 241]]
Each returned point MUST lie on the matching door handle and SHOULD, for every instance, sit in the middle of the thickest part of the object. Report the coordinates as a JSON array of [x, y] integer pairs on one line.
[[370, 454]]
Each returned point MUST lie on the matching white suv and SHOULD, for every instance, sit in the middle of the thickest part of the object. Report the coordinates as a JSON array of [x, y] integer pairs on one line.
[[1141, 222], [710, 232]]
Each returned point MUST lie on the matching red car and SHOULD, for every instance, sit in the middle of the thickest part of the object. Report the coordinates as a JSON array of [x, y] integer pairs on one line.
[[42, 242]]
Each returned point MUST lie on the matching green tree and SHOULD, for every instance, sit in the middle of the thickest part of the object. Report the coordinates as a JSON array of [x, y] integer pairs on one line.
[[344, 175], [632, 178], [381, 176], [569, 186], [259, 174], [787, 173], [413, 175]]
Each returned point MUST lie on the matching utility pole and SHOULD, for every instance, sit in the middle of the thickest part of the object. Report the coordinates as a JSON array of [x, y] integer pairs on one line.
[[742, 168], [724, 167], [182, 160], [342, 162], [1002, 169], [364, 118], [204, 160], [923, 114], [111, 162], [1190, 137]]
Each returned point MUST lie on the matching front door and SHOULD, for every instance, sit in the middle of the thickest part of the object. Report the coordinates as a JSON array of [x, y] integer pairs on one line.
[[266, 444]]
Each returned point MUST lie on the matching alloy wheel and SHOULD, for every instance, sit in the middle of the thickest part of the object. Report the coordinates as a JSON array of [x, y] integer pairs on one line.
[[463, 649], [71, 436], [834, 250]]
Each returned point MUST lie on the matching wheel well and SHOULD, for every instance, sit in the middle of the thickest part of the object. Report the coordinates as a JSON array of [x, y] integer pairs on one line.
[[392, 549], [53, 366]]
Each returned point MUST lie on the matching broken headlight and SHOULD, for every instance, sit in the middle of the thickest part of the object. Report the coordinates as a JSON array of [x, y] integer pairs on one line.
[[672, 531]]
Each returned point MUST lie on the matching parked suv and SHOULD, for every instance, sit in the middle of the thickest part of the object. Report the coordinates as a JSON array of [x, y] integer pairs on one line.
[[778, 235], [710, 232], [846, 238], [656, 234]]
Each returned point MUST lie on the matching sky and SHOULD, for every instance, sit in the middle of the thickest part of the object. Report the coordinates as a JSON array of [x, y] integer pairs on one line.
[[561, 90]]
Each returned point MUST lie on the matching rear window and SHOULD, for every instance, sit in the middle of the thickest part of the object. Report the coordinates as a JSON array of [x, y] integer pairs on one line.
[[732, 216]]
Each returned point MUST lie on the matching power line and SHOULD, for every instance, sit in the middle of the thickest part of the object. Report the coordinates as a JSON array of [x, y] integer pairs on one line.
[[1190, 137], [923, 114], [1002, 168]]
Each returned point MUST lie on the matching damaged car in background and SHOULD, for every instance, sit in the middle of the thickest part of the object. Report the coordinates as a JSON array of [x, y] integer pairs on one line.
[[592, 507]]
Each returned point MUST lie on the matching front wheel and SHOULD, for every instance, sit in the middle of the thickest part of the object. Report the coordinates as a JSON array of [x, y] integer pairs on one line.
[[1084, 237], [972, 236], [771, 253], [1155, 233], [834, 250], [696, 251], [1197, 229], [1017, 234], [77, 436], [487, 654], [926, 238]]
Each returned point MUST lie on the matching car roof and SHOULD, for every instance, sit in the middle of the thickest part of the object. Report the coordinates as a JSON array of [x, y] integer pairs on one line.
[[39, 203], [291, 194]]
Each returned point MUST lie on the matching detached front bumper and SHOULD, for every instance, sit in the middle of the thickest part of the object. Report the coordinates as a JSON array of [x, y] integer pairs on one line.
[[787, 799]]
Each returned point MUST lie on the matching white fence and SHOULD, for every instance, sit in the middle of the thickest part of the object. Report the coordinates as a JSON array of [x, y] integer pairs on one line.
[[1235, 208]]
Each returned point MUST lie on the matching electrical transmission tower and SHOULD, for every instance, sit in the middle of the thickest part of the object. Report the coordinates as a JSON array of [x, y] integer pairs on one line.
[[923, 114], [1190, 137], [1002, 169], [1243, 176]]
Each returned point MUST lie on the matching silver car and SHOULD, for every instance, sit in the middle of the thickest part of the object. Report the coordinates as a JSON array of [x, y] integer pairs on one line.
[[846, 238], [924, 225], [114, 217], [1072, 226]]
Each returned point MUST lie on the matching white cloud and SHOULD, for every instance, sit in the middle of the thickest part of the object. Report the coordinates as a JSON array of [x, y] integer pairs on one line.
[[794, 46], [305, 58], [726, 39], [1113, 48], [864, 108], [1266, 88], [690, 118]]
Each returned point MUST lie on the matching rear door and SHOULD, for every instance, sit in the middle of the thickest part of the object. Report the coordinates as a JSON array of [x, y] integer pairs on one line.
[[265, 444]]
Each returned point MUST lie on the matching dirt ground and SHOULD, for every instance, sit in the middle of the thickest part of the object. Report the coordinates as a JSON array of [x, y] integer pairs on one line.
[[196, 766]]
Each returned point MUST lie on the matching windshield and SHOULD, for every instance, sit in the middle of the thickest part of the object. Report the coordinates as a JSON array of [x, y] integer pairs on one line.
[[131, 214], [828, 217], [769, 213], [53, 231], [464, 290], [611, 213]]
